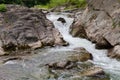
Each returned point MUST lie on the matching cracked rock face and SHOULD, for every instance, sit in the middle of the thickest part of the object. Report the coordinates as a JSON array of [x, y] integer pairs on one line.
[[101, 22], [21, 26]]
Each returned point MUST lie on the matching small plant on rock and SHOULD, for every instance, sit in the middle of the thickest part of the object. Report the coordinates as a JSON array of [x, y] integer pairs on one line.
[[3, 8]]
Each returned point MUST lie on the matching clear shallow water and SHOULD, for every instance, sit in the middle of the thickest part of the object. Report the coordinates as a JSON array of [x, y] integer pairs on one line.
[[111, 66]]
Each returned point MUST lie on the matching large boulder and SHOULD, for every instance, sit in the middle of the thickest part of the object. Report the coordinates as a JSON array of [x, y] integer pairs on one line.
[[22, 27], [101, 22]]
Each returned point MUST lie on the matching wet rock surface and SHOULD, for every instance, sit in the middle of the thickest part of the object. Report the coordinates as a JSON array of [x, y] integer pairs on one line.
[[22, 27]]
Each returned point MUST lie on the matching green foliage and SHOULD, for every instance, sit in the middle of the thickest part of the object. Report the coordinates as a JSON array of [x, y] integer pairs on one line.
[[67, 3], [3, 8], [81, 3], [51, 4], [75, 3], [41, 6], [47, 3], [29, 3], [54, 3]]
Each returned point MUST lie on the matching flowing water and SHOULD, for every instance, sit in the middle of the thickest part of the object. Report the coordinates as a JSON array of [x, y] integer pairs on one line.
[[31, 67], [111, 66]]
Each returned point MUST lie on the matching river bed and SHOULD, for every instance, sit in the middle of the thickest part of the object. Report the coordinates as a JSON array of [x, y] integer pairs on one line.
[[31, 67]]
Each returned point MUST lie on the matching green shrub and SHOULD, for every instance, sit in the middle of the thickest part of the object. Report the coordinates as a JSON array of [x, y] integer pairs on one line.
[[54, 3], [70, 4], [82, 3], [3, 8], [47, 3], [78, 3]]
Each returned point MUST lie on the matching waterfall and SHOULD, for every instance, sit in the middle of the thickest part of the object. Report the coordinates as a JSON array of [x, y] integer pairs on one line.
[[111, 66]]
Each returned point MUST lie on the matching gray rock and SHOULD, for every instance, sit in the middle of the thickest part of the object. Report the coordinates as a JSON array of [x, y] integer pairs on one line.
[[22, 26], [100, 22]]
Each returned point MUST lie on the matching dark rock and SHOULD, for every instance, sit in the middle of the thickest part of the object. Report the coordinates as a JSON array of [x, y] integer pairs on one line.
[[103, 44], [61, 19], [9, 47]]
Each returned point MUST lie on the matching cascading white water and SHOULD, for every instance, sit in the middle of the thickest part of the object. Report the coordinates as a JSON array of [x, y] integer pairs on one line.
[[111, 66]]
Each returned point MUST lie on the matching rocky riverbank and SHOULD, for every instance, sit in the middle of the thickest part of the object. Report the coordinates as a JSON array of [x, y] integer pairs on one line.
[[100, 23]]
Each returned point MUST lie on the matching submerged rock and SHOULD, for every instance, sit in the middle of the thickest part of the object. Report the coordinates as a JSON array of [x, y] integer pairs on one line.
[[29, 28]]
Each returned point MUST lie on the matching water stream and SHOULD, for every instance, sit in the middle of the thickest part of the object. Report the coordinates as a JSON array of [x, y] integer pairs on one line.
[[111, 66], [32, 67]]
